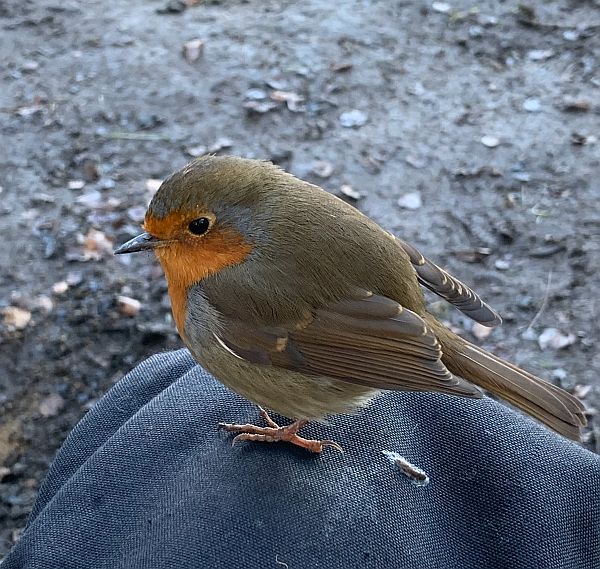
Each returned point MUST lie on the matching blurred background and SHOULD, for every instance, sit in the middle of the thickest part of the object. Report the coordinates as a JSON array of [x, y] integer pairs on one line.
[[469, 128]]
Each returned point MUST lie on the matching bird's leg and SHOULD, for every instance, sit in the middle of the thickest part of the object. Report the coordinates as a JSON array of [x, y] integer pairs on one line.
[[274, 433]]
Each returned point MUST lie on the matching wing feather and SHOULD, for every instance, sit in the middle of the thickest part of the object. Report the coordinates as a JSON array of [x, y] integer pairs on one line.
[[450, 288], [367, 339]]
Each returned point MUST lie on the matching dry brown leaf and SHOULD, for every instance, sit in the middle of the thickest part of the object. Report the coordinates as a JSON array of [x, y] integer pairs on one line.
[[96, 245], [16, 318], [128, 306]]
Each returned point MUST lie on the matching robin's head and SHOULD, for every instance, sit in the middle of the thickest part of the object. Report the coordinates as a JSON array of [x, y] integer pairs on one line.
[[207, 216]]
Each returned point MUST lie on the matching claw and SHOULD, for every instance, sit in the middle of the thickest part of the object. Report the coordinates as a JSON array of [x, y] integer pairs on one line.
[[274, 433], [333, 444]]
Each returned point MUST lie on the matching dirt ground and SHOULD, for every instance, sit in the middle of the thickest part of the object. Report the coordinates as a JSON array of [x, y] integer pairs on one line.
[[470, 129]]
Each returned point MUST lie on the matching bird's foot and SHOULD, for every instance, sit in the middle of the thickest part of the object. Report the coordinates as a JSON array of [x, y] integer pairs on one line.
[[274, 433]]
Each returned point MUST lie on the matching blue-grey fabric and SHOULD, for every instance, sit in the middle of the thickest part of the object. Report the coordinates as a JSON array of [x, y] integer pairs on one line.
[[147, 481]]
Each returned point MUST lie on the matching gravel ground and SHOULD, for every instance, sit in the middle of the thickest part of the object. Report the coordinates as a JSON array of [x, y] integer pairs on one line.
[[470, 129]]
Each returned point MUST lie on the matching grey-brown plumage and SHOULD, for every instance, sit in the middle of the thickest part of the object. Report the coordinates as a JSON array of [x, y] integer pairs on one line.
[[325, 309]]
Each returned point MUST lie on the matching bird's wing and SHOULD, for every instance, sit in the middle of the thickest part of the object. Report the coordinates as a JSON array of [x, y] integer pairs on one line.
[[366, 339], [451, 289]]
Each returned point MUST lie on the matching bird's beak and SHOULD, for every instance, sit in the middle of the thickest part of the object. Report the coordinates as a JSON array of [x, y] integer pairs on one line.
[[143, 242]]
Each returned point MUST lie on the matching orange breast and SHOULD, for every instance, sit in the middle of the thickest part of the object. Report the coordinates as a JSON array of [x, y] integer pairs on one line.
[[188, 261]]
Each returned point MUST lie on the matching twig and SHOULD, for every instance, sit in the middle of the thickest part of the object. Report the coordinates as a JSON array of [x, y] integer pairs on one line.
[[543, 305], [137, 136]]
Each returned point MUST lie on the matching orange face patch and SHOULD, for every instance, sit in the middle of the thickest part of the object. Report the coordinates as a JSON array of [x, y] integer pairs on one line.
[[186, 259]]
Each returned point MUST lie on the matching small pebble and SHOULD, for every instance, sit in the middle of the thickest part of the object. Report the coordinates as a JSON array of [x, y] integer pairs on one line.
[[411, 200], [75, 184], [350, 192], [540, 54], [441, 7], [532, 105], [51, 405], [570, 35], [60, 287], [193, 50], [255, 94], [353, 119], [490, 141], [322, 168]]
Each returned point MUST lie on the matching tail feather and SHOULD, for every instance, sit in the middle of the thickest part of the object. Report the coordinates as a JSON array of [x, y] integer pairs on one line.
[[547, 403]]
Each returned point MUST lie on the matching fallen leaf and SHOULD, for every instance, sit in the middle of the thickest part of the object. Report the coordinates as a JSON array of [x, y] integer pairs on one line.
[[412, 200], [340, 67], [574, 105], [15, 318], [292, 100], [193, 50], [128, 306], [96, 245], [29, 110], [285, 96]]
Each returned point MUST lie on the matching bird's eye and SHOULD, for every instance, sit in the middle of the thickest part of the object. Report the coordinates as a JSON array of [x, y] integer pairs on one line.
[[199, 226]]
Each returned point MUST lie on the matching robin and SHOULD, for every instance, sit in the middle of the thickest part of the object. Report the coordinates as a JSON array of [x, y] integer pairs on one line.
[[300, 303]]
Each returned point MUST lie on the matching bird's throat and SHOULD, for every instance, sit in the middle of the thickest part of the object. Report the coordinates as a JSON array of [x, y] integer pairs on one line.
[[185, 265]]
